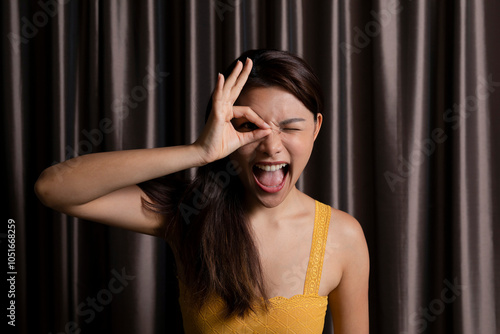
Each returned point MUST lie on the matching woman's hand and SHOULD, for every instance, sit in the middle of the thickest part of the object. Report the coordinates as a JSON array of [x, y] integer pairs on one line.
[[219, 138]]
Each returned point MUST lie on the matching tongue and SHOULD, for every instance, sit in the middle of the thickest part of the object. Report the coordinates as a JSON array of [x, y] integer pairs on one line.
[[270, 179]]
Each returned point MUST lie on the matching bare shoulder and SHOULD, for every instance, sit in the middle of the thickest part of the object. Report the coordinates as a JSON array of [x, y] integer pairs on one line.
[[349, 298], [346, 241], [345, 229]]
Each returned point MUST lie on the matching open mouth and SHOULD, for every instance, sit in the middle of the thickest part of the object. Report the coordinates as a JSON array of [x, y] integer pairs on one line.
[[270, 177]]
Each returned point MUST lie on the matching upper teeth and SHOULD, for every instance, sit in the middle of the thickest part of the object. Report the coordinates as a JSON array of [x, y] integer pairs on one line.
[[270, 168]]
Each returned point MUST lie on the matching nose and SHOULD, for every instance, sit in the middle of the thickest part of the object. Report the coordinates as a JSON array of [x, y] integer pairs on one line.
[[271, 144]]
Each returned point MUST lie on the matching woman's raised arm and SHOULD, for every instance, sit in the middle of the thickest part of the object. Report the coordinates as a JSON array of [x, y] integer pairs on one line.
[[102, 187]]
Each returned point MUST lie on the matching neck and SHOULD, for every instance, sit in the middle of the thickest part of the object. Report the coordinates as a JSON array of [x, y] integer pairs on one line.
[[258, 212]]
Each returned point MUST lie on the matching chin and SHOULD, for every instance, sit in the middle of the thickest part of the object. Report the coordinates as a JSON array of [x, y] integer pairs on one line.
[[269, 199]]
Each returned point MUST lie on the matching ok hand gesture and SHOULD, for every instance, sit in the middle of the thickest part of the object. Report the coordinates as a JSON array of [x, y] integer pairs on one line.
[[219, 138]]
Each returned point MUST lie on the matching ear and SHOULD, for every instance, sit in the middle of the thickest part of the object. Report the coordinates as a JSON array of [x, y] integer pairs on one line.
[[319, 121]]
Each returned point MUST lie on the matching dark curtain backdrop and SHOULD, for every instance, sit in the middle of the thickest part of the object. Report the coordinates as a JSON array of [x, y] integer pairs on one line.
[[409, 146]]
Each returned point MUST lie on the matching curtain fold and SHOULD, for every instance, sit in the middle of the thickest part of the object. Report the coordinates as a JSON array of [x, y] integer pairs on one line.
[[473, 195], [408, 145]]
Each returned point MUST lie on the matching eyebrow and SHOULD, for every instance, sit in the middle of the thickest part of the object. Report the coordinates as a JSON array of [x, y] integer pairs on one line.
[[291, 120]]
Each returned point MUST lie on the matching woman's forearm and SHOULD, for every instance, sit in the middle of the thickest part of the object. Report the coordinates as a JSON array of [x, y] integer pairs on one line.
[[85, 178]]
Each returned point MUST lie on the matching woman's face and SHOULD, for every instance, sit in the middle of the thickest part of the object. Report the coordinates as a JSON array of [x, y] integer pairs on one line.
[[270, 167]]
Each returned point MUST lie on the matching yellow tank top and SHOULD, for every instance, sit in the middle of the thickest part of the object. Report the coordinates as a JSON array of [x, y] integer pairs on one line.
[[300, 314]]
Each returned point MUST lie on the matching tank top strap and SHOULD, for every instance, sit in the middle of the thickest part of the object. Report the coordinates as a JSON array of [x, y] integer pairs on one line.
[[320, 234]]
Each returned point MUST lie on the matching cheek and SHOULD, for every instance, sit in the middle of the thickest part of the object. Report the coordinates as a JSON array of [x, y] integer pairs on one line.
[[299, 146], [247, 151], [244, 154]]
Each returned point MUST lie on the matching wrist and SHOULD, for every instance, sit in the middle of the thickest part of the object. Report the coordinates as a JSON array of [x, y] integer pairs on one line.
[[200, 155]]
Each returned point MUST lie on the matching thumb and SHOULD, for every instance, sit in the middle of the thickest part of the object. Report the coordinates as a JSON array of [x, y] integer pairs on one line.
[[251, 136]]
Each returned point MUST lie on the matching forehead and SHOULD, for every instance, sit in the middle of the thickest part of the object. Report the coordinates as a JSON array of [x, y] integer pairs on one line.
[[274, 102]]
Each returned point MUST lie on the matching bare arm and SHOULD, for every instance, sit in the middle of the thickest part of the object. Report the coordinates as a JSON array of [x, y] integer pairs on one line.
[[102, 187], [349, 301], [84, 178], [73, 186]]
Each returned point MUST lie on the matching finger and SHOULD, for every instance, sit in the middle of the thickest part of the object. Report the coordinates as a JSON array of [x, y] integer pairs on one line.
[[217, 95], [249, 137], [231, 79], [242, 79], [250, 115]]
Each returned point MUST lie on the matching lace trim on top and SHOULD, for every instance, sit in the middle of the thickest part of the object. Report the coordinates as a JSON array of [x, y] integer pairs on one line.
[[320, 233]]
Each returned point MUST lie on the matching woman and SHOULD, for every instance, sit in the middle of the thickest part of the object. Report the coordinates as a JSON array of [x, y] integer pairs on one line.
[[253, 253]]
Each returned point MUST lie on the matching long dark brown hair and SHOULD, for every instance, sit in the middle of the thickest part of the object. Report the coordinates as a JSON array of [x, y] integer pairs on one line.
[[206, 221]]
